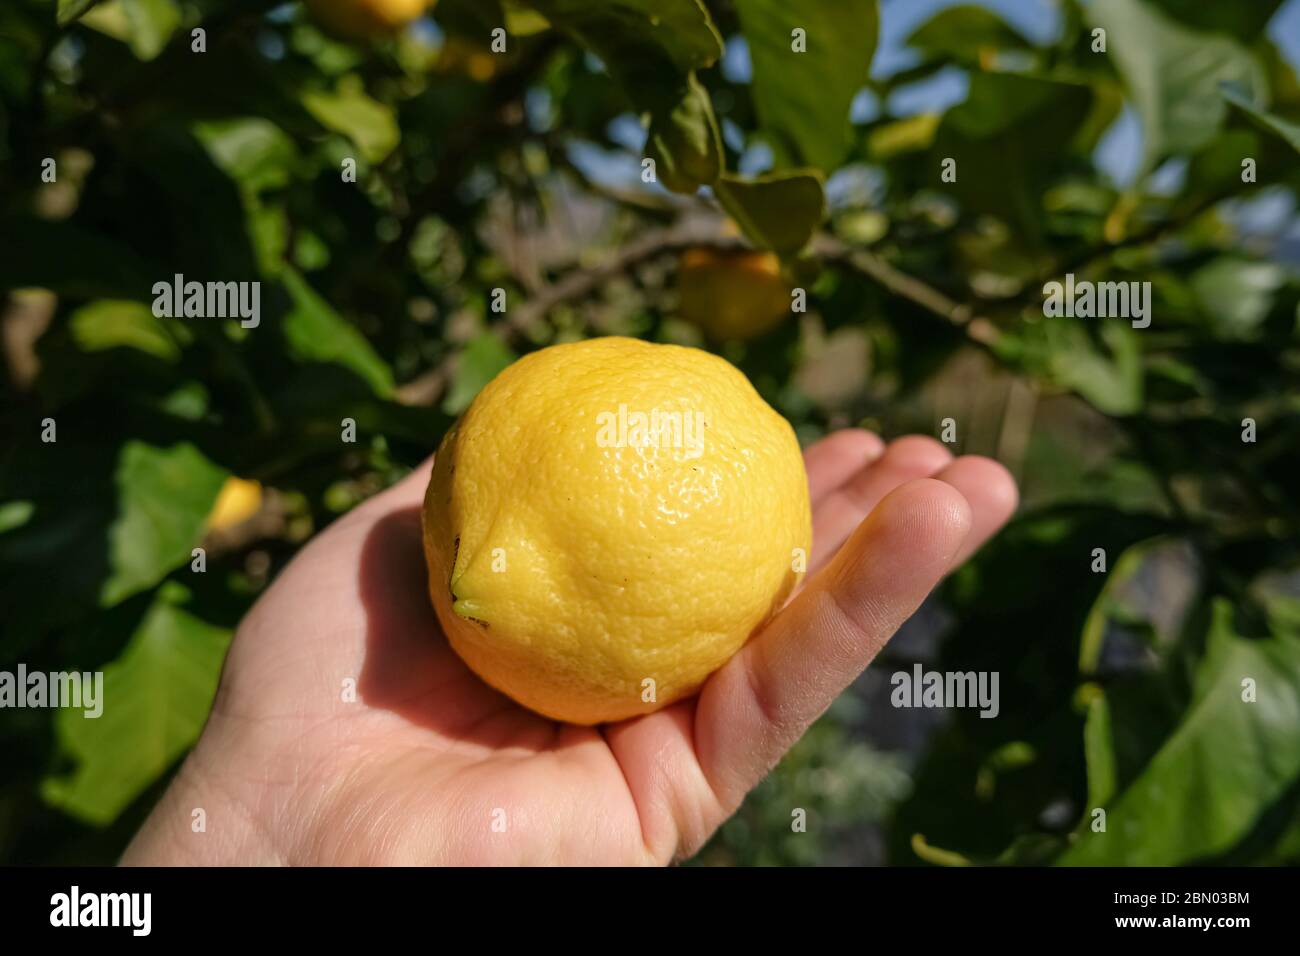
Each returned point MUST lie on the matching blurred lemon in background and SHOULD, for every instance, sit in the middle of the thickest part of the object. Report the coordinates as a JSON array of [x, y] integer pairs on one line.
[[238, 500], [359, 19], [475, 60], [732, 294]]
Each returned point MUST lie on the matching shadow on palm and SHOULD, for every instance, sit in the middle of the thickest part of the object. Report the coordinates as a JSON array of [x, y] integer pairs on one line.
[[410, 669]]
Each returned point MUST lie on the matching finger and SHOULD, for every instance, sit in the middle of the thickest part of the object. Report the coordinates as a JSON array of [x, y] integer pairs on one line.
[[991, 492], [763, 699], [835, 459], [913, 456]]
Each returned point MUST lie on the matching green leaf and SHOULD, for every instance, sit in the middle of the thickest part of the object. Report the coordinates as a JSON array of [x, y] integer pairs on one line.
[[482, 359], [164, 497], [803, 98], [1224, 766], [634, 38], [70, 10], [145, 26], [1275, 124], [1006, 139], [1108, 373], [964, 33], [349, 111], [252, 151], [652, 49], [1172, 74], [1098, 358], [779, 211], [316, 333], [114, 323], [259, 157], [1128, 720], [522, 22], [15, 514], [152, 24], [684, 140], [155, 698], [909, 135], [1237, 294], [1110, 604]]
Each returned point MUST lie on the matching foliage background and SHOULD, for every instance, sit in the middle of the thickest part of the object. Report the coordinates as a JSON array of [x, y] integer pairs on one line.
[[521, 171]]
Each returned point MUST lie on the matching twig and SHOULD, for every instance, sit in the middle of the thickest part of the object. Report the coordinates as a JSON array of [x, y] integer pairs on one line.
[[427, 387], [905, 286], [659, 205], [578, 284], [523, 322], [1085, 259]]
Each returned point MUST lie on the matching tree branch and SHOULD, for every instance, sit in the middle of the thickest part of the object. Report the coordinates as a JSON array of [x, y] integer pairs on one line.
[[693, 231], [523, 321], [1086, 258], [904, 286]]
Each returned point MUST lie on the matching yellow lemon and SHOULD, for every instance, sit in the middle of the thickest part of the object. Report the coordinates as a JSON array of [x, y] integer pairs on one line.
[[238, 500], [609, 522], [732, 294], [358, 19], [476, 61]]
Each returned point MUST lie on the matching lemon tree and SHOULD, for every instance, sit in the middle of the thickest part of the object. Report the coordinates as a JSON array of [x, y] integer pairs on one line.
[[859, 215]]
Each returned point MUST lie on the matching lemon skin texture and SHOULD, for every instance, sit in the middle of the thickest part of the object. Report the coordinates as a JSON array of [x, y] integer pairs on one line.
[[732, 294], [588, 574]]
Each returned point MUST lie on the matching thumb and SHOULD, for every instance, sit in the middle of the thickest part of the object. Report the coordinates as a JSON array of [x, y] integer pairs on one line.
[[766, 696]]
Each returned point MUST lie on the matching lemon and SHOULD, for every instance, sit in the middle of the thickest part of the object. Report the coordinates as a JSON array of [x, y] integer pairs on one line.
[[732, 294], [476, 61], [358, 19], [237, 501], [609, 522]]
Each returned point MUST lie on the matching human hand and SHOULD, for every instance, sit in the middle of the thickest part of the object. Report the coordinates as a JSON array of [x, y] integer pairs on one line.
[[425, 764]]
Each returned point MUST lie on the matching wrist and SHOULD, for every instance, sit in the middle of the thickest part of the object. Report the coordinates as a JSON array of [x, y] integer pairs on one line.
[[200, 822]]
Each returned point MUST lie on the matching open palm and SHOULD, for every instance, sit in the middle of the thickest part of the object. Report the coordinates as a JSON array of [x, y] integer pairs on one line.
[[346, 730]]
